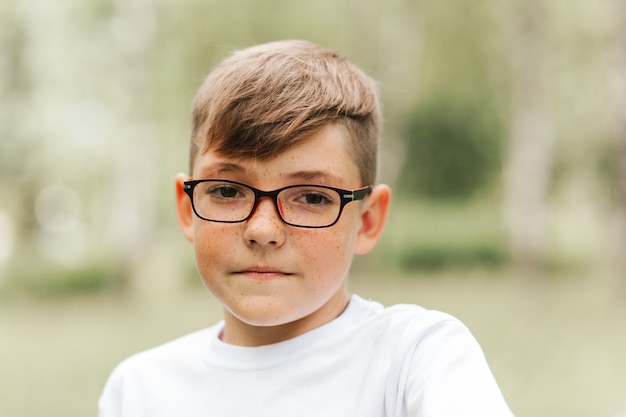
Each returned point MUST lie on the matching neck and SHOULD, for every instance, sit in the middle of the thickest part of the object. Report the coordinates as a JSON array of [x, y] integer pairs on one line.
[[238, 332]]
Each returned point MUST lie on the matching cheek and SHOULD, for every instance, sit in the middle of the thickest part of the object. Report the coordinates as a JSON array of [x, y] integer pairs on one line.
[[326, 252], [212, 245]]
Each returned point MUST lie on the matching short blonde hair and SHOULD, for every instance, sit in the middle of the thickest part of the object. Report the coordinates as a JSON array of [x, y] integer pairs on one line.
[[262, 100]]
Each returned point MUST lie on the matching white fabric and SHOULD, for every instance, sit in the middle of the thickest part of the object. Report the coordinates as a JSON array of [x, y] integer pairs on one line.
[[340, 369]]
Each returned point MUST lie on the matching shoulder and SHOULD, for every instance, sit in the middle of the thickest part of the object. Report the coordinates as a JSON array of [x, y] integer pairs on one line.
[[408, 320], [136, 381], [429, 333], [419, 335], [435, 358], [182, 353]]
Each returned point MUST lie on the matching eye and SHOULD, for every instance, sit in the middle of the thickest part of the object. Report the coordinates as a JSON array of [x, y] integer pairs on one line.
[[225, 191], [310, 197], [315, 198]]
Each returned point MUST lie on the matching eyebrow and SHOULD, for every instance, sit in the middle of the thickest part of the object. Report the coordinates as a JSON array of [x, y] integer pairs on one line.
[[221, 168], [316, 175], [226, 168]]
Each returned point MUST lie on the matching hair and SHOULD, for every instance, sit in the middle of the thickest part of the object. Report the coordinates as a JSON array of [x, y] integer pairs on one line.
[[262, 100]]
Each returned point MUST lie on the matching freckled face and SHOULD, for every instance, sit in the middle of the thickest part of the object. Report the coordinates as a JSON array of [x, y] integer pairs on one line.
[[268, 275]]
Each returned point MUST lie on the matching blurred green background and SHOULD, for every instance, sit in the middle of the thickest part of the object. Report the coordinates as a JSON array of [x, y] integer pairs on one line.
[[504, 142]]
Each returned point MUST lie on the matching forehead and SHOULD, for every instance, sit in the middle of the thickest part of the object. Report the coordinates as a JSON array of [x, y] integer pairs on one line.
[[322, 158]]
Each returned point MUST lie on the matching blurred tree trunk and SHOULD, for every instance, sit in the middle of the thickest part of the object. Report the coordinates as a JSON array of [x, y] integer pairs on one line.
[[530, 151], [133, 202], [16, 139], [619, 137]]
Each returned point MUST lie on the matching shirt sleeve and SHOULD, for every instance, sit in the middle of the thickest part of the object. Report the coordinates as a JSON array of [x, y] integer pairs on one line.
[[448, 376], [118, 399], [109, 404]]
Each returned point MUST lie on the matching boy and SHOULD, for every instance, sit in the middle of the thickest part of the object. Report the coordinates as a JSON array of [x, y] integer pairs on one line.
[[281, 194]]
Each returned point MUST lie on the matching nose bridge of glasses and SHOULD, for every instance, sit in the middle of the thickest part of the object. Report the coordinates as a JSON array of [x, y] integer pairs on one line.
[[260, 195]]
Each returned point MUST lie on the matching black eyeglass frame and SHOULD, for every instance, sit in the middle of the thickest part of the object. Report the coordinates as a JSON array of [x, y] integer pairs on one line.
[[346, 196]]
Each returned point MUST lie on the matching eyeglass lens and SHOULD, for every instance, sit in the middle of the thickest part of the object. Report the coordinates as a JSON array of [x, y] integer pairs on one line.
[[302, 205]]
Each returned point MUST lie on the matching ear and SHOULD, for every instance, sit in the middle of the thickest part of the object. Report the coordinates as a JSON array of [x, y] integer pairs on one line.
[[184, 210], [373, 219]]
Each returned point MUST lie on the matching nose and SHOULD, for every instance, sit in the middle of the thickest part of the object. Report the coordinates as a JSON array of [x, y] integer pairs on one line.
[[265, 227]]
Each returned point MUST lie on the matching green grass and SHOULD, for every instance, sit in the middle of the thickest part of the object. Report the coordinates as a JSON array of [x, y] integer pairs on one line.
[[555, 342], [556, 346]]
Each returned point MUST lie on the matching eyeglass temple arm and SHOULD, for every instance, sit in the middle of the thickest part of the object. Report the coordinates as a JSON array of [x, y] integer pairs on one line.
[[358, 194]]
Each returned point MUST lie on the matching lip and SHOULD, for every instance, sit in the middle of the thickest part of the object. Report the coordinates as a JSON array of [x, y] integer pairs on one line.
[[261, 273]]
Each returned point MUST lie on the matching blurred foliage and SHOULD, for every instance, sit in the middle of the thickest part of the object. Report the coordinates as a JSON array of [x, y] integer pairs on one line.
[[452, 152], [30, 273], [95, 100], [95, 112], [436, 258], [63, 282], [436, 236]]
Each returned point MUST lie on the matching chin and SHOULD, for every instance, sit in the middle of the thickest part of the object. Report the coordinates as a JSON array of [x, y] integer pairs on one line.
[[272, 318]]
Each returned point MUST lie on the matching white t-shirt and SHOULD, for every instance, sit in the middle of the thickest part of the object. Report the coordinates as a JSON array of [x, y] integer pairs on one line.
[[425, 362]]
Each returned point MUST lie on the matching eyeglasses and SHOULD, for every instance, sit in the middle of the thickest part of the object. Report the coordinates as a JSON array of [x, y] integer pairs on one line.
[[310, 206]]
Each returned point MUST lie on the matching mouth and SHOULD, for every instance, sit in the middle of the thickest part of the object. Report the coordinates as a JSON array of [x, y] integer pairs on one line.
[[263, 273]]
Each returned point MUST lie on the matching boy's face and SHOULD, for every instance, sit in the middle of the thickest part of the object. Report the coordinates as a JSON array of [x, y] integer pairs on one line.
[[276, 281]]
